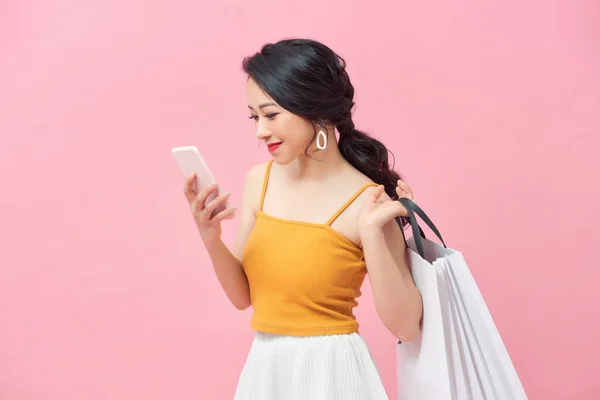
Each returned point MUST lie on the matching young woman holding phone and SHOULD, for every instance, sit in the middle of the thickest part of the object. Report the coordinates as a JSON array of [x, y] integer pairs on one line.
[[315, 219]]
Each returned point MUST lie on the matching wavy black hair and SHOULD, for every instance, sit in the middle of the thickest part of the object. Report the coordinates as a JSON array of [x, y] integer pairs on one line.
[[309, 79]]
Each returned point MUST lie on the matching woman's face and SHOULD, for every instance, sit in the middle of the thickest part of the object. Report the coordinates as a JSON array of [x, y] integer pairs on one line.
[[285, 134]]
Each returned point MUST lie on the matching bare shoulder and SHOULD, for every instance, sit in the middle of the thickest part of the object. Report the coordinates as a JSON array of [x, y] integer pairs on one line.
[[250, 203], [256, 173], [360, 180], [253, 185], [352, 183]]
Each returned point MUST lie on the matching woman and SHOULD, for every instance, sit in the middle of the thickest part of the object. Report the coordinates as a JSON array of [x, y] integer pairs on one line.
[[314, 220]]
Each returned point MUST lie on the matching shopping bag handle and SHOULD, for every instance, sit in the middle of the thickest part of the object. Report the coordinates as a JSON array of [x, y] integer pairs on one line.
[[418, 234], [401, 225]]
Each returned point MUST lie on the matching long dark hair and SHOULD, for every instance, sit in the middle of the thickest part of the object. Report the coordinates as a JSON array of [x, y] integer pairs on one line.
[[309, 79]]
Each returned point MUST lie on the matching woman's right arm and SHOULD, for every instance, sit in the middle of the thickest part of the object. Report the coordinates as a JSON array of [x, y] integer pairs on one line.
[[228, 264]]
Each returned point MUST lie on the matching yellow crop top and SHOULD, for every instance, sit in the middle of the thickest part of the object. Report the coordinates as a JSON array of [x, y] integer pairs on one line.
[[304, 277]]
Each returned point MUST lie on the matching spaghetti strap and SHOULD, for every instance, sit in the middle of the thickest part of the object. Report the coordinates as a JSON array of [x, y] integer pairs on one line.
[[348, 202], [265, 183]]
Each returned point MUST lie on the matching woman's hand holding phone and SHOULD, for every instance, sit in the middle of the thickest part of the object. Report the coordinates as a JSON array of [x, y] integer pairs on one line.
[[208, 216]]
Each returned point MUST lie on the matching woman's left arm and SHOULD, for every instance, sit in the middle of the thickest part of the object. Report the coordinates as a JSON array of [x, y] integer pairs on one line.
[[397, 299]]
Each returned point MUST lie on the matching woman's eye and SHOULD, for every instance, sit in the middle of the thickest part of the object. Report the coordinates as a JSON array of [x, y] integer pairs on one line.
[[269, 116]]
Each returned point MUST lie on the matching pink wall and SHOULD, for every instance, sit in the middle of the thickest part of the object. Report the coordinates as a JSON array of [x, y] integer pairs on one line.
[[493, 112]]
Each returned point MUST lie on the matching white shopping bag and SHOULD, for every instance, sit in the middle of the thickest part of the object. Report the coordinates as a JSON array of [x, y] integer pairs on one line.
[[499, 376], [459, 353], [423, 363]]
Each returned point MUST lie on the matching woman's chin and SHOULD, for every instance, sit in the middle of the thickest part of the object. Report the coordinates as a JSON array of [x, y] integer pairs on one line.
[[282, 159]]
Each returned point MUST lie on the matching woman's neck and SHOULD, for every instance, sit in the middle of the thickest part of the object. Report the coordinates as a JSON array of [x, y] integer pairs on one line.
[[319, 166]]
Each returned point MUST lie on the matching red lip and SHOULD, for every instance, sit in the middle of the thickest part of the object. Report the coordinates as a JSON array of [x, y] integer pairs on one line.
[[273, 146]]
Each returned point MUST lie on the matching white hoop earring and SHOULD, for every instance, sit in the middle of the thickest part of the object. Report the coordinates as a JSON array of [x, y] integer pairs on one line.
[[321, 136]]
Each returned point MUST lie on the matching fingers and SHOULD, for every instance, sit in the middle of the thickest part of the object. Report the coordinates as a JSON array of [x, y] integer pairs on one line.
[[376, 193], [210, 208], [391, 210], [228, 213], [394, 209], [199, 200], [188, 188], [403, 190]]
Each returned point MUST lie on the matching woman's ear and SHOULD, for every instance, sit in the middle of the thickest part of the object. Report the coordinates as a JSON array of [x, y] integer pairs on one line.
[[321, 124]]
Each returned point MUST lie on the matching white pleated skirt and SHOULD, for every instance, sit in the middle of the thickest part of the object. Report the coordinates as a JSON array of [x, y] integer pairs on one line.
[[331, 367]]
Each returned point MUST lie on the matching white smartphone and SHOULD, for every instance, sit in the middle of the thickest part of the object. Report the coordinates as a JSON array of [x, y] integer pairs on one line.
[[191, 161]]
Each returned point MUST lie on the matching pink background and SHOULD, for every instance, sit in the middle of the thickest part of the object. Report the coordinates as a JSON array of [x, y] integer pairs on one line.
[[492, 111]]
